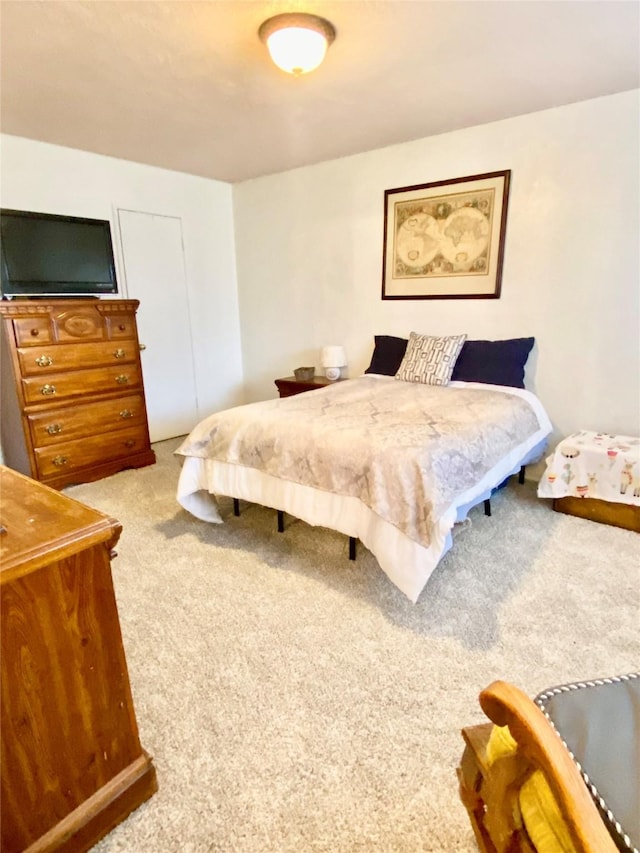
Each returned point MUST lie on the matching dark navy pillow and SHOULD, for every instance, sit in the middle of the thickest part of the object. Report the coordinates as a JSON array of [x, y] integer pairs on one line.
[[494, 362], [388, 353]]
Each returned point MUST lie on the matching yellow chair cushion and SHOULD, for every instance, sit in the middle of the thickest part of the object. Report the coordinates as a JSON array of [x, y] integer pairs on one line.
[[538, 807]]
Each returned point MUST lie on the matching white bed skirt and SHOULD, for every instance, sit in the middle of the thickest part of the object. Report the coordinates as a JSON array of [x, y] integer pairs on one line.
[[405, 562]]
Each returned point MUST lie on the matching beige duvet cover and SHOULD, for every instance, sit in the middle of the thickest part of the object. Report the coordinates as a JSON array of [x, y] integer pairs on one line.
[[409, 453]]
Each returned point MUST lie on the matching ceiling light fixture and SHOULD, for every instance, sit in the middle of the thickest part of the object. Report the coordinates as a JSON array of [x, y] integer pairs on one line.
[[297, 41]]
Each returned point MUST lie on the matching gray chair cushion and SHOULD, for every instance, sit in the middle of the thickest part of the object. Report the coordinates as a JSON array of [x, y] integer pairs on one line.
[[599, 723]]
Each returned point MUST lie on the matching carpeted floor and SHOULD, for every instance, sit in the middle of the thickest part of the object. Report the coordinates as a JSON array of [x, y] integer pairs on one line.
[[296, 701]]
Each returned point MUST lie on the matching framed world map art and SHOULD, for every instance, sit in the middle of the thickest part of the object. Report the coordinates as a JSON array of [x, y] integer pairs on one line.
[[445, 240]]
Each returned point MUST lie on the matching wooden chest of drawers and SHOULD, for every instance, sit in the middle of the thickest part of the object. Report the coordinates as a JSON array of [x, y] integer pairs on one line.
[[72, 763], [73, 406]]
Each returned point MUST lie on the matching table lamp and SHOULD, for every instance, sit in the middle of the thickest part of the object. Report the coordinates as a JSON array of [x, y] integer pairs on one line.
[[332, 359]]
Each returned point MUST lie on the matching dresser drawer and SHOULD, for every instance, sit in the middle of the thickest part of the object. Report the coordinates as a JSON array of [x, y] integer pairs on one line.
[[51, 359], [121, 326], [70, 456], [79, 322], [60, 386], [32, 331], [56, 425]]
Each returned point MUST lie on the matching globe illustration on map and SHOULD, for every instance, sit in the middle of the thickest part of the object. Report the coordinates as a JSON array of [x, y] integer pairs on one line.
[[418, 240], [465, 234]]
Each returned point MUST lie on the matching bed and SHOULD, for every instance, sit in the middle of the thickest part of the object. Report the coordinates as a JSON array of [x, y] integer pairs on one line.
[[394, 462]]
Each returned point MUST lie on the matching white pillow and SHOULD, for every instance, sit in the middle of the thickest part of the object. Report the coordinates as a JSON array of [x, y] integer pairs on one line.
[[430, 360]]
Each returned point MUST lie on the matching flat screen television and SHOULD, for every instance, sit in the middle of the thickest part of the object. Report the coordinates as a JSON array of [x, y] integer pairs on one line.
[[48, 255]]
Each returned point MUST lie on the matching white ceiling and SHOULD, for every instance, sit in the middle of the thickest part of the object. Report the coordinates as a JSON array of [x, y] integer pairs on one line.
[[189, 86]]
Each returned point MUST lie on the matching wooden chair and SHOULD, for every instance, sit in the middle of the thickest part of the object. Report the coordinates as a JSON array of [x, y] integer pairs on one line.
[[490, 791]]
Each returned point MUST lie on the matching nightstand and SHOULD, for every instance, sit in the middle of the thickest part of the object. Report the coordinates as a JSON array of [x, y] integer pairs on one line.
[[290, 385]]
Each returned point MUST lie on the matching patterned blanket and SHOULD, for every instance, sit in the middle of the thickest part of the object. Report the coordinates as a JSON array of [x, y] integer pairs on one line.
[[404, 449]]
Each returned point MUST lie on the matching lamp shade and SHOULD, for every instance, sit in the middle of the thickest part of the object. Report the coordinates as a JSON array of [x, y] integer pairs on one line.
[[333, 356], [297, 42]]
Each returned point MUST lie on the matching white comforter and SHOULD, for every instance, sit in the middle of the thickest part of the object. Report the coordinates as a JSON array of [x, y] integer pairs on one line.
[[386, 461]]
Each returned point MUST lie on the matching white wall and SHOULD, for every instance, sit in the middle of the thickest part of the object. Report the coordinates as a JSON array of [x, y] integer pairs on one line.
[[308, 246], [49, 178], [309, 256]]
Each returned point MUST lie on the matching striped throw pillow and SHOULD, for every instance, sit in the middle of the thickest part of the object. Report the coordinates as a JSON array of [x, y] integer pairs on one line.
[[430, 360]]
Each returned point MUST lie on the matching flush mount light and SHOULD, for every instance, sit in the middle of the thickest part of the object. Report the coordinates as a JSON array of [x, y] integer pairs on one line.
[[297, 41]]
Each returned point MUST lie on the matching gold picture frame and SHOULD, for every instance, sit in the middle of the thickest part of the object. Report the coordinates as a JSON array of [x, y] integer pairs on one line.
[[445, 240]]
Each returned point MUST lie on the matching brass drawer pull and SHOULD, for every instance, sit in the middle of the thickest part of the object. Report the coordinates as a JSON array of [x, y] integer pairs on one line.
[[44, 361], [48, 390], [142, 347], [119, 353], [126, 413], [122, 327], [122, 379], [53, 429], [59, 460], [130, 442], [35, 333]]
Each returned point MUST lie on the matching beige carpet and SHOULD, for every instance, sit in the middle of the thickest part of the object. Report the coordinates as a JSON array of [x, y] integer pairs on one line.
[[295, 701]]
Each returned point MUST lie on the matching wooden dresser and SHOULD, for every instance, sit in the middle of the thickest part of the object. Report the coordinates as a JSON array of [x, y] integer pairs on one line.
[[72, 764], [73, 406]]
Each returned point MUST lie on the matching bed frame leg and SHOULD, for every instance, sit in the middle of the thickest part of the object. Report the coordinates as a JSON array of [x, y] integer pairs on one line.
[[236, 506], [352, 547], [487, 507], [521, 474], [280, 521]]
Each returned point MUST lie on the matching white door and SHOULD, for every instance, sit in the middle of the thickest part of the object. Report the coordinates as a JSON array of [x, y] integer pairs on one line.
[[153, 264]]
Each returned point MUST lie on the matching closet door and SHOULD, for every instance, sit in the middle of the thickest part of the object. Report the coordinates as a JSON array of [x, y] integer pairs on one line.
[[154, 269]]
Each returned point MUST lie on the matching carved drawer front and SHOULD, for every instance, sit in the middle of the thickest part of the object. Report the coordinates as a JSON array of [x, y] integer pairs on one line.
[[60, 386], [121, 326], [51, 359], [32, 331], [56, 425], [74, 455], [83, 323]]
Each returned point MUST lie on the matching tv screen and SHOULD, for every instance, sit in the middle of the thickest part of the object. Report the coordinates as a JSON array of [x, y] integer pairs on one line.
[[48, 255]]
